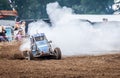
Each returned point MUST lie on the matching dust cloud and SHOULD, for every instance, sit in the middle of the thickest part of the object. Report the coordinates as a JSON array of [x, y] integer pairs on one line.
[[77, 37]]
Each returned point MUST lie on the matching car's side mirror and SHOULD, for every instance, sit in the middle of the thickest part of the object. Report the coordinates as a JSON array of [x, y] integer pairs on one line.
[[50, 41]]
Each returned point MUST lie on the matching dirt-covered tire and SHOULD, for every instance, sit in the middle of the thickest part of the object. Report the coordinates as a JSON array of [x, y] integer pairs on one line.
[[28, 55], [24, 53], [57, 53]]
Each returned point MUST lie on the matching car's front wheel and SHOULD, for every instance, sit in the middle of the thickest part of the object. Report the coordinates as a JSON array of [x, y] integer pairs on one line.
[[28, 55]]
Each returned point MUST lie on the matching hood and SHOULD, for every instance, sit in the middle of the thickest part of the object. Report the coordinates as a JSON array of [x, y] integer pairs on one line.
[[43, 46]]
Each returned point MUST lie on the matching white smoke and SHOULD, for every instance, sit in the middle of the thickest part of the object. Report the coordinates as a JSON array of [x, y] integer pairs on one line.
[[76, 37]]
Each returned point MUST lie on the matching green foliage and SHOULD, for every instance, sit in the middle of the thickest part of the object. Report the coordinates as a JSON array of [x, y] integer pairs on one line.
[[36, 9], [96, 6], [4, 5]]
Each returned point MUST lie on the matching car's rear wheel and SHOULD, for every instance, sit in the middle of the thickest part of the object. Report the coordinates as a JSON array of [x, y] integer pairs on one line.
[[57, 53]]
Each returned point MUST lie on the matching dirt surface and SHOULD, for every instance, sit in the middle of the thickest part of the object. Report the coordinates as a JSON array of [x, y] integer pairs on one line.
[[12, 65]]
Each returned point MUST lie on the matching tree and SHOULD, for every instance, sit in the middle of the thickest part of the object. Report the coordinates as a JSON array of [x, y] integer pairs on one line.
[[36, 9], [95, 6], [4, 5]]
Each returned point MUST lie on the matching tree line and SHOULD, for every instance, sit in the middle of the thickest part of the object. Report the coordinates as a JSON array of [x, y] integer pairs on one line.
[[36, 9]]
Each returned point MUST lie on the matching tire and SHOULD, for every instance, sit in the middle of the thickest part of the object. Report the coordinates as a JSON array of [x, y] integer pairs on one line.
[[28, 55], [25, 53], [57, 53]]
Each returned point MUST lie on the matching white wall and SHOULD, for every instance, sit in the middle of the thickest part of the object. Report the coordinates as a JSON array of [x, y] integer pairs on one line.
[[99, 18]]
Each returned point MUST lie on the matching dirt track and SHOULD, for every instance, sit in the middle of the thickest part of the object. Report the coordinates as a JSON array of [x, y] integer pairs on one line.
[[105, 66]]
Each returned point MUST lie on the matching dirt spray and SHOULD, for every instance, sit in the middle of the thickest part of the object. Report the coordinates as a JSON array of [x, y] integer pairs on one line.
[[77, 37]]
